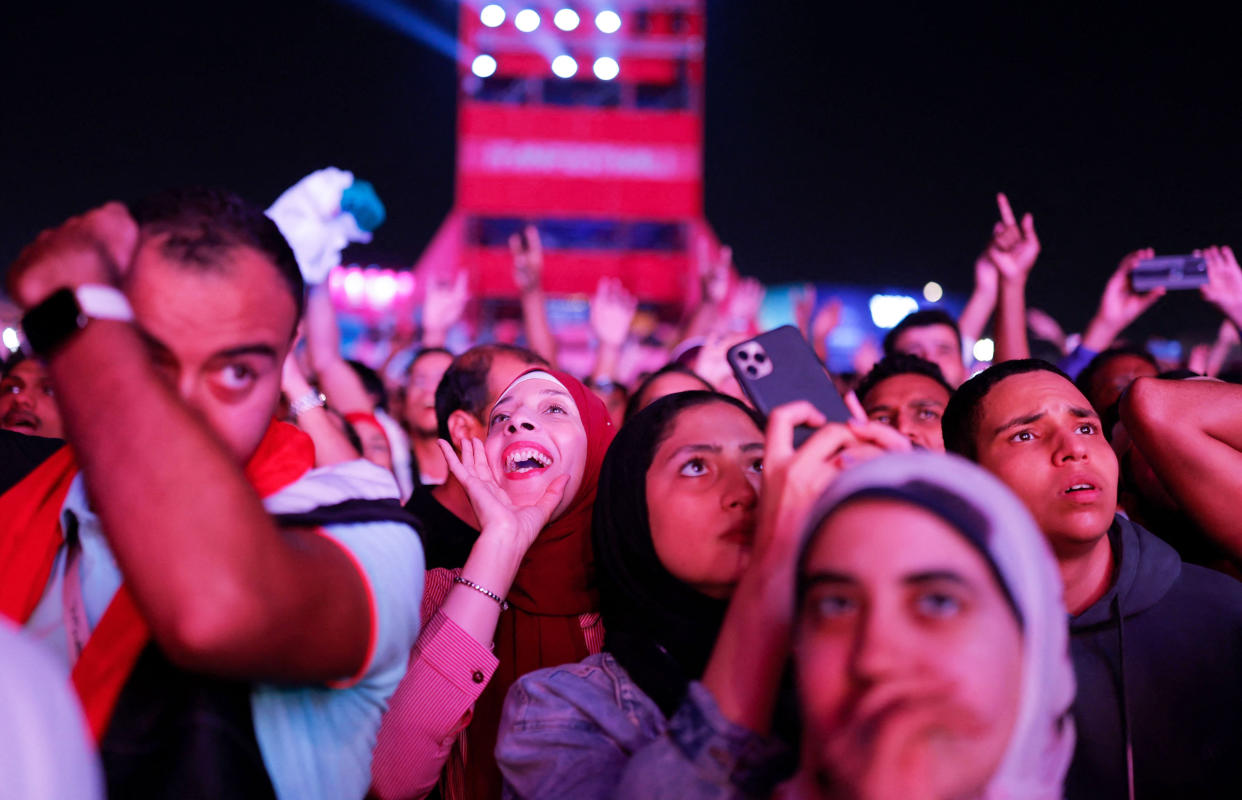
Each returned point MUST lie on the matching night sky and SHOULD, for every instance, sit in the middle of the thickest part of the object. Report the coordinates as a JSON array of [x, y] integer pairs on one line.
[[842, 144]]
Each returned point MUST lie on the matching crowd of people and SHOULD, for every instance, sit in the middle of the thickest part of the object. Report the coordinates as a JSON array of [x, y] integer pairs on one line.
[[235, 563]]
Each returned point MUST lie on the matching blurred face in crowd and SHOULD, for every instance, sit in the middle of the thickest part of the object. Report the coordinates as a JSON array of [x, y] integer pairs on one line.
[[27, 404], [535, 435], [1115, 377], [672, 383], [1039, 435], [909, 658], [911, 403], [420, 392], [937, 344], [218, 333], [702, 488]]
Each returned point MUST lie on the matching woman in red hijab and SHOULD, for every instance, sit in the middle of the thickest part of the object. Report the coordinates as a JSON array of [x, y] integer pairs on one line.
[[524, 600]]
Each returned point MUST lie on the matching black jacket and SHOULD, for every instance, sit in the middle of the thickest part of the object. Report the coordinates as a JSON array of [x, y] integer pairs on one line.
[[1165, 673]]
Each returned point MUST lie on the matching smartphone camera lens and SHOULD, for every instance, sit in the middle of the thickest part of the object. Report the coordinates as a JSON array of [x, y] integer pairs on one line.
[[743, 355], [760, 358], [752, 370]]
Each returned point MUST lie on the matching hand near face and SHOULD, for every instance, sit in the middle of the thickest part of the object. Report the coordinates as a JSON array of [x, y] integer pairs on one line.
[[498, 513], [895, 750], [794, 478], [95, 247]]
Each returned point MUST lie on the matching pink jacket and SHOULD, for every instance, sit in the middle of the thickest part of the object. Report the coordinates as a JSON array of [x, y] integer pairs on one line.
[[432, 706]]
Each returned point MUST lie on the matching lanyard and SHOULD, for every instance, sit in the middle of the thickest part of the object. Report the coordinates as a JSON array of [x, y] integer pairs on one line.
[[77, 627]]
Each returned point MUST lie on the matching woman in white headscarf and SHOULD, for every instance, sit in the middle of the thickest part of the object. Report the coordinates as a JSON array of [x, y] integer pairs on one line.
[[931, 640]]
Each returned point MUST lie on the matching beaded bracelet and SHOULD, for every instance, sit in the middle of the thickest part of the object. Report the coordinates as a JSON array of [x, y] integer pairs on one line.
[[504, 605]]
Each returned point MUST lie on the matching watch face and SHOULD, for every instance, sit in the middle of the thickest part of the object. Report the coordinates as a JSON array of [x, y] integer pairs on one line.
[[49, 324]]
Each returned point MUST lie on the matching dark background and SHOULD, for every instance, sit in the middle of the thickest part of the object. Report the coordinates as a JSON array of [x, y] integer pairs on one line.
[[842, 144]]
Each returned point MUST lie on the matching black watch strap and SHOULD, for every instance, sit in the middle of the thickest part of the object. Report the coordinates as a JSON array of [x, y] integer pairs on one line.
[[65, 311]]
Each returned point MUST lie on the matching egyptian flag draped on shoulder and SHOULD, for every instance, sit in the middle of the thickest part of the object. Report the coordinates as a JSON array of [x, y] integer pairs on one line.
[[31, 535]]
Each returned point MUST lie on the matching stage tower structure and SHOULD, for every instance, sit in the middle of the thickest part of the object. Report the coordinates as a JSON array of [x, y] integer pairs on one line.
[[586, 120]]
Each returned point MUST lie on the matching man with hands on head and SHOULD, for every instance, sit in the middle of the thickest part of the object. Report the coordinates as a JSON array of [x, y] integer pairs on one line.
[[182, 550]]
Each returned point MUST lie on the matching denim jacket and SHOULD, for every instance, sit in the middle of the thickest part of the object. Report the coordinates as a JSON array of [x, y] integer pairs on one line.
[[586, 730]]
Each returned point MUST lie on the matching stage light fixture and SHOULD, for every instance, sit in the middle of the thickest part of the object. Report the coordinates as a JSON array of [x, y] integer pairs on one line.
[[606, 68], [564, 66], [608, 21], [483, 65], [566, 19], [492, 15], [984, 349], [10, 338], [932, 292], [526, 20]]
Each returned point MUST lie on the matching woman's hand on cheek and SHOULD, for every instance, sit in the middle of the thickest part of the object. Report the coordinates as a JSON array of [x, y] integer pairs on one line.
[[498, 514]]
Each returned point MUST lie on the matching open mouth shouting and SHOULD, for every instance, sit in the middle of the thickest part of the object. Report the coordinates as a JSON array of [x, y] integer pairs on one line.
[[525, 460]]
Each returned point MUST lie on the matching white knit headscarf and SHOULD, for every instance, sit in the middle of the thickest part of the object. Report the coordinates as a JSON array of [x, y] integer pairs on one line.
[[1042, 742]]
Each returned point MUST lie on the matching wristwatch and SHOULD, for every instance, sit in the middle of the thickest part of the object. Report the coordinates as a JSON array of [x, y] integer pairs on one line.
[[66, 311]]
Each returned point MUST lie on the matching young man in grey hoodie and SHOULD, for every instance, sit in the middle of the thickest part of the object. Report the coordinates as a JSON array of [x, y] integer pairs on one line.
[[1156, 644]]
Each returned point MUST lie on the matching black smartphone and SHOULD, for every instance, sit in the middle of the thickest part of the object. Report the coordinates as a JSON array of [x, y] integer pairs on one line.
[[779, 367], [1169, 272]]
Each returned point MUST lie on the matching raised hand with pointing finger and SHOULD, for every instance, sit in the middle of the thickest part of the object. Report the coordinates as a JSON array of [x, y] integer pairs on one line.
[[1013, 250], [1014, 247]]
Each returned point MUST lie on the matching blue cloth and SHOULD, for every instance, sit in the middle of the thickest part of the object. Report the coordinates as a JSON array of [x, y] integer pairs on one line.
[[1077, 361], [361, 200], [586, 730]]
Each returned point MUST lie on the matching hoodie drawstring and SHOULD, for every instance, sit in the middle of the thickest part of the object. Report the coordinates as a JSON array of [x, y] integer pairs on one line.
[[1125, 701]]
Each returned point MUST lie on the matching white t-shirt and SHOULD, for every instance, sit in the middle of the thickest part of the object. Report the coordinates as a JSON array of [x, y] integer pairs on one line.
[[316, 741]]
